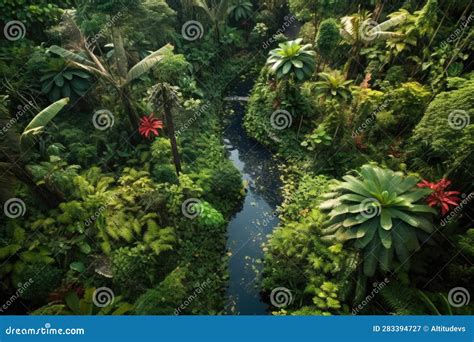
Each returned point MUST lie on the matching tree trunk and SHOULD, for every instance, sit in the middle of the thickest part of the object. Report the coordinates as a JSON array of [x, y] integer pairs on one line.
[[47, 196], [129, 107], [171, 132], [378, 10], [119, 53]]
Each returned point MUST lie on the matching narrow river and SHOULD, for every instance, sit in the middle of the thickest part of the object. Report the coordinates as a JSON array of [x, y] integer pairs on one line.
[[249, 228]]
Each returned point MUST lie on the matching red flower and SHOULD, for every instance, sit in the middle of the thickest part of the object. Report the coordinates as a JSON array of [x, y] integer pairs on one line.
[[440, 197], [149, 125]]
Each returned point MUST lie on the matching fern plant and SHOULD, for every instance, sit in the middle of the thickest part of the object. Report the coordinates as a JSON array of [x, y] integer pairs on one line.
[[404, 300], [381, 213]]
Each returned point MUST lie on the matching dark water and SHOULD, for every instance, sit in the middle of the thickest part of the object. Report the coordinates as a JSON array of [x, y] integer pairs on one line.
[[249, 228]]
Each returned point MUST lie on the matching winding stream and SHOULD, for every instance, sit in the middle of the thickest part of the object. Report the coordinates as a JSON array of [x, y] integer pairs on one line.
[[249, 228]]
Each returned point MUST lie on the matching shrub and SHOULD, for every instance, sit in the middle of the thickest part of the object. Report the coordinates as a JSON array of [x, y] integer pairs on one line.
[[445, 135], [166, 298], [44, 279], [133, 270], [328, 37]]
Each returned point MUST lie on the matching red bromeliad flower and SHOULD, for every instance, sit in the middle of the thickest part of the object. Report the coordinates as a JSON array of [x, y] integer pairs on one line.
[[149, 125], [440, 197]]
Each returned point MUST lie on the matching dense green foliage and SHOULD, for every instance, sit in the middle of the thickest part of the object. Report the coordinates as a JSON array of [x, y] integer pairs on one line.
[[114, 172]]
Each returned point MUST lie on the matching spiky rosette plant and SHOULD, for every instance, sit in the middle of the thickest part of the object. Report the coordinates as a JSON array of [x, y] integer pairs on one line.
[[292, 59], [380, 212]]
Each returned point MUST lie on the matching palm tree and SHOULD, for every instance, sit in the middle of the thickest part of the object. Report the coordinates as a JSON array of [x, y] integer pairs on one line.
[[217, 11], [360, 30], [164, 94], [292, 60], [334, 85], [13, 147]]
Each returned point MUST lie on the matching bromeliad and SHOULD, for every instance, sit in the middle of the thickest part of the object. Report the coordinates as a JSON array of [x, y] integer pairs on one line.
[[440, 197], [149, 126]]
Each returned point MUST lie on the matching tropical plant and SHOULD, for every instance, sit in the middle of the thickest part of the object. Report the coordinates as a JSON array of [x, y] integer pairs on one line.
[[291, 60], [165, 95], [333, 85], [360, 30], [120, 82], [415, 27], [318, 137], [404, 300], [60, 81], [240, 9], [381, 213]]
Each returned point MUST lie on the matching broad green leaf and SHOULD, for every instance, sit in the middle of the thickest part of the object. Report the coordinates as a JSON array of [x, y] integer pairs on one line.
[[43, 118], [385, 237], [66, 54], [148, 62], [386, 219]]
